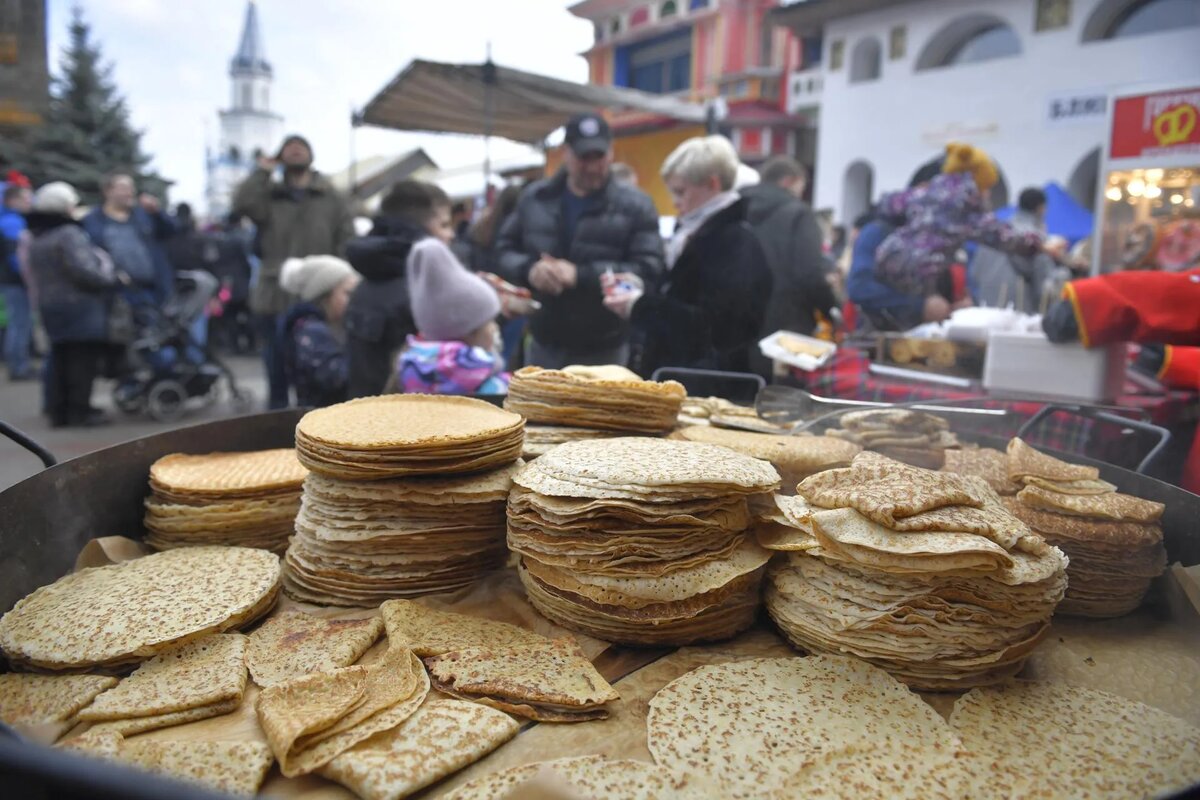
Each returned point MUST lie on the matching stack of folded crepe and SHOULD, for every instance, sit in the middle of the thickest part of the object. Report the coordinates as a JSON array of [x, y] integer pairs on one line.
[[117, 616], [359, 543], [230, 767], [1114, 541], [189, 682], [924, 574], [701, 410], [913, 437], [641, 541], [45, 706], [242, 499], [606, 398], [401, 435], [500, 665], [311, 720], [983, 462], [796, 457], [291, 644]]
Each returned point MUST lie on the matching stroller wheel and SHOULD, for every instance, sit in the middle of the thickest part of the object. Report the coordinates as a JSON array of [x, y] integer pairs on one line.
[[128, 399], [166, 400]]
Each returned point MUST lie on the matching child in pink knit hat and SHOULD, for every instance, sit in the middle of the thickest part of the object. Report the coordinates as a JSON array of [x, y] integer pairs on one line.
[[457, 349]]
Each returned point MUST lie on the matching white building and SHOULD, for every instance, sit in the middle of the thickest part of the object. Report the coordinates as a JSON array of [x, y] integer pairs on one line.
[[248, 128], [1026, 80]]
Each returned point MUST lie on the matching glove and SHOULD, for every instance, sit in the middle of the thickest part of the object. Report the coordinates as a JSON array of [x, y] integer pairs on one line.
[[1060, 324]]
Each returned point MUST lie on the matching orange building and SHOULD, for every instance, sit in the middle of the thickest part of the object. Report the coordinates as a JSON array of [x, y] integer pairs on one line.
[[700, 50]]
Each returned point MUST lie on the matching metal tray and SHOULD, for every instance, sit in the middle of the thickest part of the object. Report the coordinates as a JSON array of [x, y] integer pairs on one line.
[[46, 520]]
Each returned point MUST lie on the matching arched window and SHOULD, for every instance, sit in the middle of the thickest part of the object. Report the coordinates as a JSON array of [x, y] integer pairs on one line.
[[858, 187], [668, 9], [235, 155], [266, 96], [1118, 19], [614, 26], [968, 40], [866, 60], [247, 102]]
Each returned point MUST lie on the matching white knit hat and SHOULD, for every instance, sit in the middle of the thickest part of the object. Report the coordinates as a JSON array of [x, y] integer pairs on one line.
[[313, 277], [56, 197]]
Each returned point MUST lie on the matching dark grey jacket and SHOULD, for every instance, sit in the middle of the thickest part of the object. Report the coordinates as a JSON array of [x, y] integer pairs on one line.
[[75, 291], [620, 232]]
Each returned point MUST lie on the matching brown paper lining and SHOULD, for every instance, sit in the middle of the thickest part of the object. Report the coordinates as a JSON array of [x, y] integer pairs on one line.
[[1123, 656]]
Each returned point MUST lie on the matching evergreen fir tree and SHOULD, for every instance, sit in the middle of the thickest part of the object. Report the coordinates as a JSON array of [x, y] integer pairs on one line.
[[87, 132]]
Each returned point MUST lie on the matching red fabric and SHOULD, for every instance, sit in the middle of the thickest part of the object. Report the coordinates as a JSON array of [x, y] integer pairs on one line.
[[958, 281], [1159, 307], [1181, 368]]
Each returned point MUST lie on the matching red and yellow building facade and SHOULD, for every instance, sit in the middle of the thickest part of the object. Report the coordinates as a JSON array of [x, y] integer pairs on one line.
[[698, 50]]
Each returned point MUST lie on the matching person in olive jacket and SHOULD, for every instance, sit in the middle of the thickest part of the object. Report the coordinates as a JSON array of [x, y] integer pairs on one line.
[[708, 310], [567, 232], [298, 213], [76, 284]]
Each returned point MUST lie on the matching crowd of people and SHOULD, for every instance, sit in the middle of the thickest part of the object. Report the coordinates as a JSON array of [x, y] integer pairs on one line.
[[571, 269]]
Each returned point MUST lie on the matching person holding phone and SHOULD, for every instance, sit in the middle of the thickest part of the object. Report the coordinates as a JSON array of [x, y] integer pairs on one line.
[[298, 213]]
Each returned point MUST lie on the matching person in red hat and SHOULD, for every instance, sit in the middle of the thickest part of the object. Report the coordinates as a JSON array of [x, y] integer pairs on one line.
[[1144, 307]]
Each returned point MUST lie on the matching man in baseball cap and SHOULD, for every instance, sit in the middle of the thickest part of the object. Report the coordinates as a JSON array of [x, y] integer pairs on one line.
[[566, 232]]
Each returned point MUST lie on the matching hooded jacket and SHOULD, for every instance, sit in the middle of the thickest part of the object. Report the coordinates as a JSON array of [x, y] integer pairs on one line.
[[379, 315], [791, 239], [314, 358], [708, 310], [619, 232]]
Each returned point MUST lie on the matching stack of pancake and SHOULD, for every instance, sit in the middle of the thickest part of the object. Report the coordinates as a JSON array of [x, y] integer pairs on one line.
[[240, 499], [986, 463], [604, 398], [795, 457], [913, 437], [540, 439], [399, 435], [359, 542], [1114, 540], [924, 574], [639, 540]]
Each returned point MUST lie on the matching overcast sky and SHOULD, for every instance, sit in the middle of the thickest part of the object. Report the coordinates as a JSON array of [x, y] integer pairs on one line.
[[172, 57]]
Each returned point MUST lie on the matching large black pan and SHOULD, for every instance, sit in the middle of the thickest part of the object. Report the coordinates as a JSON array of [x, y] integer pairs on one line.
[[45, 520]]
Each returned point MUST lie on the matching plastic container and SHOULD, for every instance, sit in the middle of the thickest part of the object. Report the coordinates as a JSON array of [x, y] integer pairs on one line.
[[1029, 364], [797, 350]]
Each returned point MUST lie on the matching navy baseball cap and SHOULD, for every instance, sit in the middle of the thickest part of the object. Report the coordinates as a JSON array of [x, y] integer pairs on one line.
[[588, 134]]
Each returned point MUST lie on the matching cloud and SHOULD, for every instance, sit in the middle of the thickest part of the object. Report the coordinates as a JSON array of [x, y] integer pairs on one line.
[[172, 58]]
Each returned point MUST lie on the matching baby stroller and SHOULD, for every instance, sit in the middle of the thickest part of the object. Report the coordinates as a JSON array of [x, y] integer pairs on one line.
[[165, 367]]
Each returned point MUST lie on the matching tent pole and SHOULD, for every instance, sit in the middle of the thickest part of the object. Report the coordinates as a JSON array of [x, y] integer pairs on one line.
[[489, 119]]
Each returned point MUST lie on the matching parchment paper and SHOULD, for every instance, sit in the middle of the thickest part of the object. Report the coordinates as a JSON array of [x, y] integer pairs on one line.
[[1152, 655]]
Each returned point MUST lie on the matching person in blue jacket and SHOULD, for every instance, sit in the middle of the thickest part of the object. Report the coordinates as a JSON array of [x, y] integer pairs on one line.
[[132, 229]]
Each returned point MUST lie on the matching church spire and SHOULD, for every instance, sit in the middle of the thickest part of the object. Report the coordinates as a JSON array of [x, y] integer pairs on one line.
[[250, 56]]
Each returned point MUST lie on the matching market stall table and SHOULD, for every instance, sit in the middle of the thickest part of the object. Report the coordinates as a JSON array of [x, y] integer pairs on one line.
[[847, 376]]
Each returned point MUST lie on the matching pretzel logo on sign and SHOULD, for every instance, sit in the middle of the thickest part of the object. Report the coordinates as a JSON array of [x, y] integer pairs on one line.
[[1174, 125]]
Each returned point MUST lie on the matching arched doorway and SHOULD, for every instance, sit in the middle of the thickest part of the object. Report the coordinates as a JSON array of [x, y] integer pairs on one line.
[[1082, 183], [858, 187], [998, 196]]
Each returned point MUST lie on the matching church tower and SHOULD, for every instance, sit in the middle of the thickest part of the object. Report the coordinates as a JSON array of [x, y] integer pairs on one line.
[[248, 127]]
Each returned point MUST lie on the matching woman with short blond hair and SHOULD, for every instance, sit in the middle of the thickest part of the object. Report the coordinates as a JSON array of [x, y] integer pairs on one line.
[[707, 311]]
